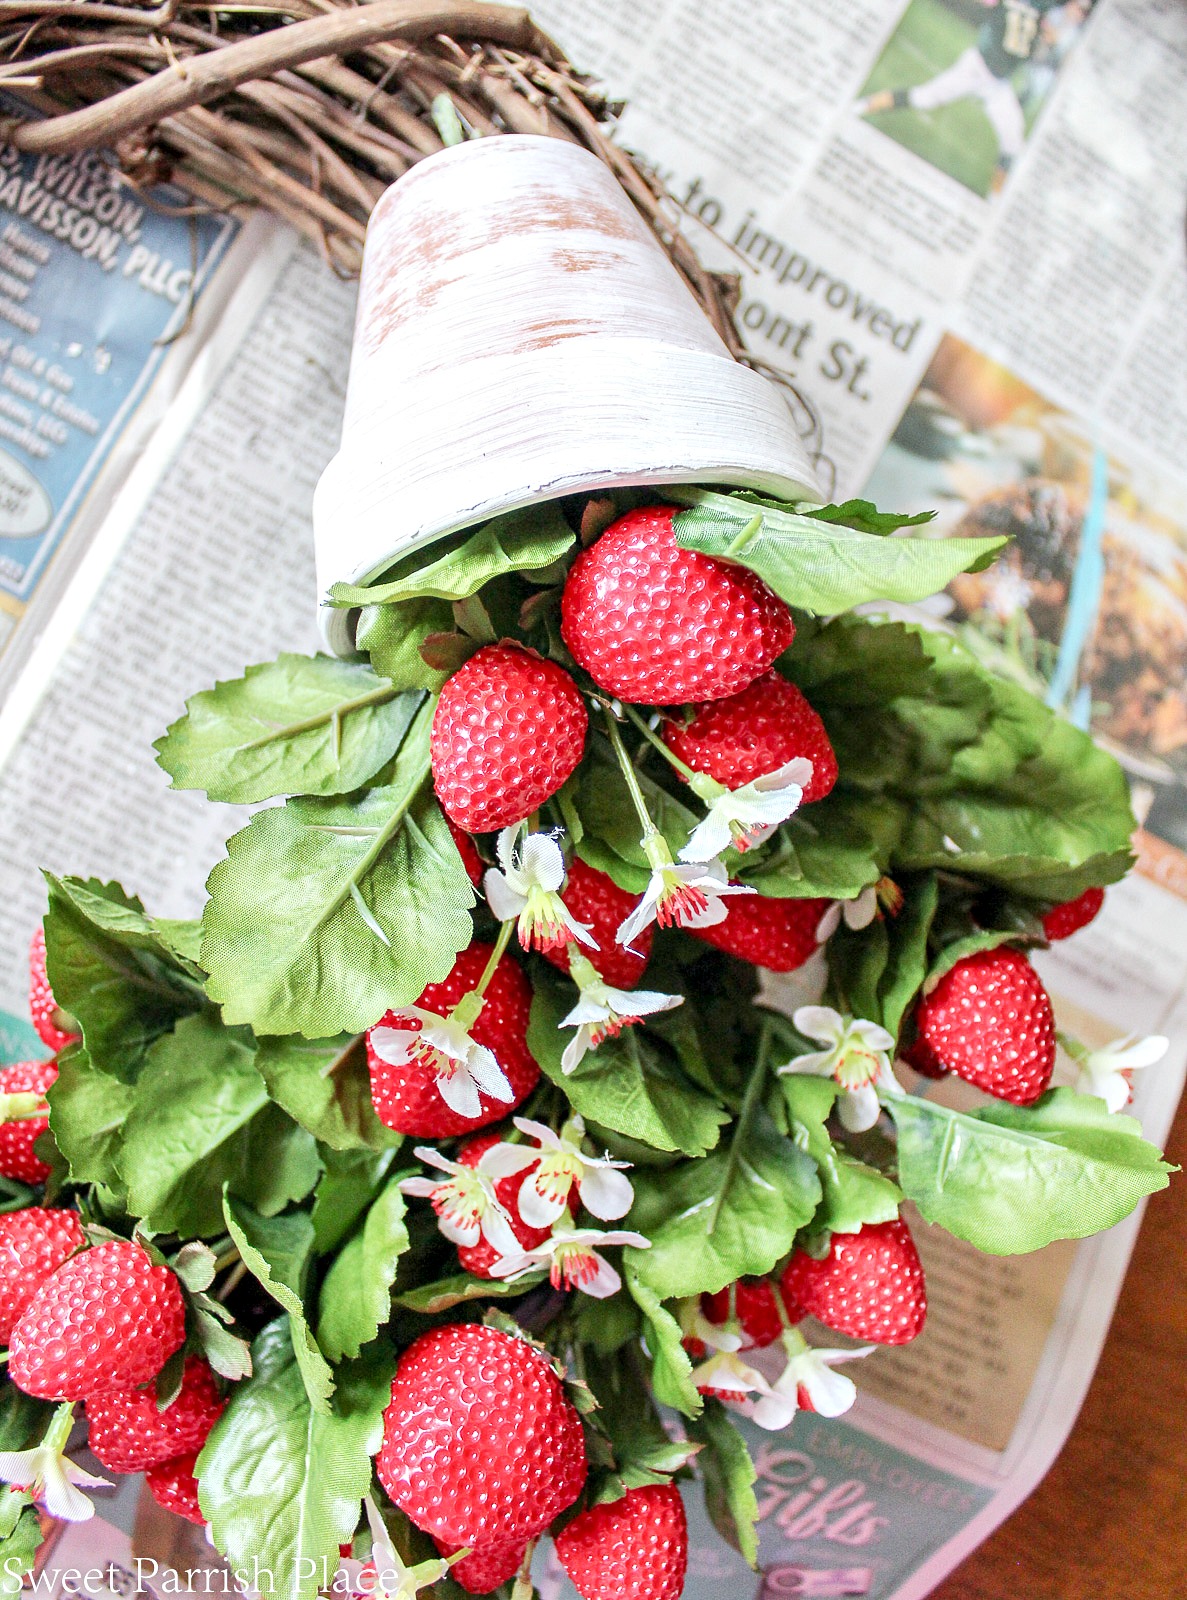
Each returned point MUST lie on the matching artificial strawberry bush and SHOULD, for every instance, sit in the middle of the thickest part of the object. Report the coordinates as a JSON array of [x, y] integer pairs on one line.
[[459, 1178]]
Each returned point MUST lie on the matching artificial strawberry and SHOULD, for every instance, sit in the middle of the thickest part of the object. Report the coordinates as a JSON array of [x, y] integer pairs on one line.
[[774, 933], [869, 1285], [481, 1446], [107, 1319], [17, 1138], [635, 1548], [753, 1309], [754, 733], [33, 1243], [128, 1432], [54, 1028], [988, 1020], [596, 900], [174, 1487], [1064, 920], [659, 625], [405, 1081], [478, 1259], [487, 1566], [509, 728], [466, 848]]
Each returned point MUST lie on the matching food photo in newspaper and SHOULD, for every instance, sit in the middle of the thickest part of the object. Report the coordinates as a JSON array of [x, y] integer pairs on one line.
[[579, 1007]]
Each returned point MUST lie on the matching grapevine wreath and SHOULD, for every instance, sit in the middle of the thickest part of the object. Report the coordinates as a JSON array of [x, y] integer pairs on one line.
[[476, 1160]]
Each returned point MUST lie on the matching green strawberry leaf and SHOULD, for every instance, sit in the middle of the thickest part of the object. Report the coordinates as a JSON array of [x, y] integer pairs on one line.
[[445, 1293], [865, 516], [821, 566], [631, 1084], [20, 1539], [393, 636], [326, 913], [1011, 1178], [112, 970], [627, 1419], [521, 541], [201, 1118], [854, 1194], [877, 971], [733, 1214], [349, 1182], [277, 1251], [296, 725], [324, 1085], [283, 1483], [824, 852], [671, 1367], [608, 817], [87, 1112], [729, 1477], [22, 1418], [356, 1292]]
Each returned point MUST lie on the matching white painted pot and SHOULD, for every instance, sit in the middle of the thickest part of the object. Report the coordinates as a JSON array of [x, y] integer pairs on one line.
[[521, 335]]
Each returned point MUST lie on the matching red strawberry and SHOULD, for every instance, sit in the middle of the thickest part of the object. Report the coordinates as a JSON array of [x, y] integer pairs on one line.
[[635, 1548], [106, 1319], [471, 860], [51, 1022], [753, 733], [17, 1139], [659, 625], [1064, 920], [406, 1097], [479, 1258], [508, 730], [754, 1310], [779, 934], [487, 1566], [869, 1285], [173, 1486], [33, 1243], [128, 1433], [989, 1020], [480, 1443], [596, 900]]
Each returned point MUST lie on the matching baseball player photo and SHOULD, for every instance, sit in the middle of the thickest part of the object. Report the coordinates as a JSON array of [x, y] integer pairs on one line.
[[961, 81]]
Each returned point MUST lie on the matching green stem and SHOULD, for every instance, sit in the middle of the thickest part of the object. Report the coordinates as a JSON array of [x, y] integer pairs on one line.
[[469, 1007], [629, 776], [740, 542], [670, 756]]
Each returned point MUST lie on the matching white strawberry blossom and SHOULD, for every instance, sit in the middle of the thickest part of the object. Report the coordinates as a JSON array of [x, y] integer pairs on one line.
[[573, 1259], [746, 816], [688, 896], [855, 1055], [857, 914], [1105, 1072], [694, 1324], [806, 1382], [544, 1195], [464, 1068], [603, 1012], [528, 887], [729, 1376], [464, 1200], [49, 1477], [394, 1580]]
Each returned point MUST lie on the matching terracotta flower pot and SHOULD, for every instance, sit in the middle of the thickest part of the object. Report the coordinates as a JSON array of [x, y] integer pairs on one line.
[[521, 335]]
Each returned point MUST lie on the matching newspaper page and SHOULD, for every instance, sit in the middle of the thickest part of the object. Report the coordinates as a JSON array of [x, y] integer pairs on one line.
[[959, 225], [933, 208], [105, 299]]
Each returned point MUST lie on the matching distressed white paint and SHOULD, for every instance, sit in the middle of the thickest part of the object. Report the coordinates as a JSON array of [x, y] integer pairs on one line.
[[521, 335]]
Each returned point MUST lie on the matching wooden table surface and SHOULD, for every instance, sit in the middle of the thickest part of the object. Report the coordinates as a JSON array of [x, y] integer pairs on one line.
[[1109, 1521]]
